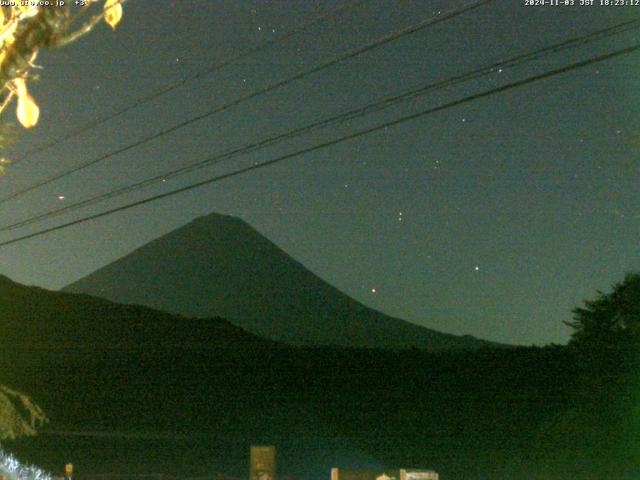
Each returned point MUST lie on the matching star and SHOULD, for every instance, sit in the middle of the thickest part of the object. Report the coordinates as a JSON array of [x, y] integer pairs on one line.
[[477, 268], [373, 290]]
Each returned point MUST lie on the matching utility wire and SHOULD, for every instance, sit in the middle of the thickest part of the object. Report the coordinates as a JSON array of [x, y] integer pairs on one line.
[[180, 83], [326, 64], [329, 143], [350, 115]]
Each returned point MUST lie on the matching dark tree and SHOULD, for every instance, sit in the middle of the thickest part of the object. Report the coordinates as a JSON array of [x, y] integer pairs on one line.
[[612, 319]]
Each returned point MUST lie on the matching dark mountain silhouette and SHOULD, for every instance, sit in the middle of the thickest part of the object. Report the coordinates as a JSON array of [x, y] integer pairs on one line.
[[132, 391], [219, 265]]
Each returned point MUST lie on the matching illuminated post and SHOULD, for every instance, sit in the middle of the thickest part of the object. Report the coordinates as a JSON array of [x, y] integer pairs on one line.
[[262, 463], [68, 471]]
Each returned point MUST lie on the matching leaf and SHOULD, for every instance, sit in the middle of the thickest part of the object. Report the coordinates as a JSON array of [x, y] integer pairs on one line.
[[28, 111], [112, 12], [28, 9], [7, 36]]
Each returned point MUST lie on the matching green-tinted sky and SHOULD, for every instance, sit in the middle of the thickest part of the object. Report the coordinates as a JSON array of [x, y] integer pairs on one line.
[[494, 218]]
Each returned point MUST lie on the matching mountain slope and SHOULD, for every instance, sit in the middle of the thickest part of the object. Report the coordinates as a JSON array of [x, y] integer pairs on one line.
[[35, 318], [131, 389], [219, 265]]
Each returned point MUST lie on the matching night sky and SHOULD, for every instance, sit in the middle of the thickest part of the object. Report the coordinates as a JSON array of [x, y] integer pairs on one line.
[[494, 218]]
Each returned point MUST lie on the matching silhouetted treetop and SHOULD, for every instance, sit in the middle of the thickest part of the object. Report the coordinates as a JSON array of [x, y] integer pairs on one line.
[[612, 319]]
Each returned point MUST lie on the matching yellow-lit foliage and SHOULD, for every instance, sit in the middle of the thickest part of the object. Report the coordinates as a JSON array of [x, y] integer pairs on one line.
[[19, 416], [25, 29], [27, 112], [112, 12]]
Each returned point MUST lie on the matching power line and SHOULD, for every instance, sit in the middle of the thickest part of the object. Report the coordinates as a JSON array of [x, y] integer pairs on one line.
[[330, 143], [326, 64], [352, 114], [180, 83]]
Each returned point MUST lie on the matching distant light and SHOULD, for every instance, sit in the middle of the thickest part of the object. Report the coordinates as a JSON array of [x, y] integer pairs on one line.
[[60, 197], [477, 268], [373, 290]]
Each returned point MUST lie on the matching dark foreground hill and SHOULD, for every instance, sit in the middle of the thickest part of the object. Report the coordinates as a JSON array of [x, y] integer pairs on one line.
[[220, 266], [35, 318], [131, 391]]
